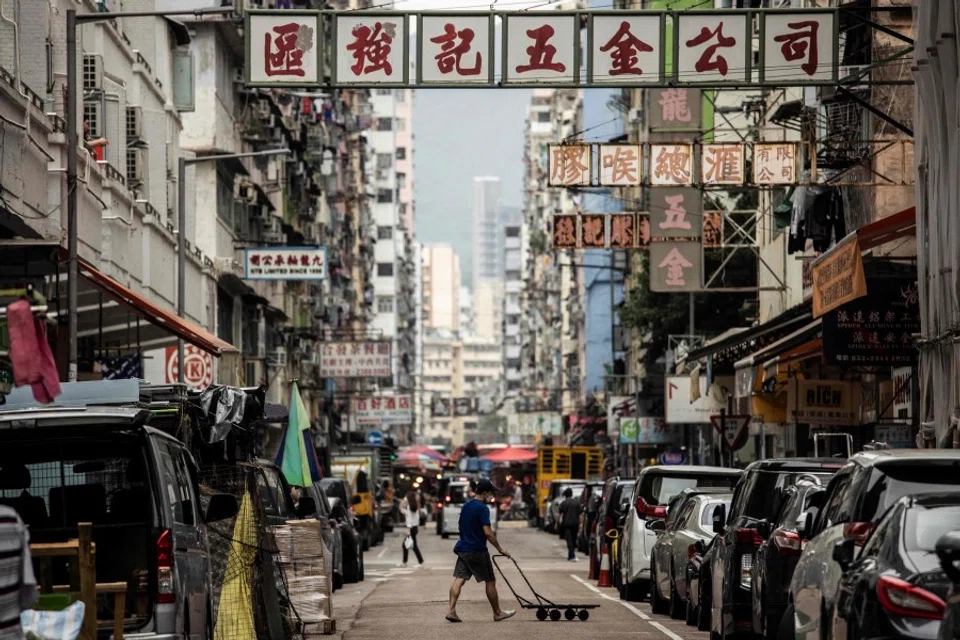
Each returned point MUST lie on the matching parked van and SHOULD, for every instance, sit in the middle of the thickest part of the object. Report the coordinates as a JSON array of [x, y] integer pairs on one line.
[[456, 495]]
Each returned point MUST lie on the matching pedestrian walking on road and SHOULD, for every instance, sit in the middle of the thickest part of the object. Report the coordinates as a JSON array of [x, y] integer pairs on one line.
[[569, 521], [411, 514], [473, 559]]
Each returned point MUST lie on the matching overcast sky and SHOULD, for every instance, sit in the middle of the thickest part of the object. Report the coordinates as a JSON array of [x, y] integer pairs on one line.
[[460, 134]]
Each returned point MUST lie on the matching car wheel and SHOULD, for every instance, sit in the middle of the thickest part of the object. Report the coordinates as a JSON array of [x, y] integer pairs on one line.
[[771, 625], [444, 535], [362, 572], [785, 629], [337, 581], [657, 604], [634, 592], [703, 613], [351, 565], [690, 613], [365, 541], [676, 604]]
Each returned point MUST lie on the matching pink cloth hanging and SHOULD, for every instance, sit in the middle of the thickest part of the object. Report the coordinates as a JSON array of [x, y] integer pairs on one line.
[[33, 362]]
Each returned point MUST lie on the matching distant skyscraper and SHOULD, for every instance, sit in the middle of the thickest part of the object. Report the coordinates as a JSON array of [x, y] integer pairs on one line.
[[487, 229]]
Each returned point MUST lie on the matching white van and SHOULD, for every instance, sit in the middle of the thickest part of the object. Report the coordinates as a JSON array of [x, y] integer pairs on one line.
[[454, 498]]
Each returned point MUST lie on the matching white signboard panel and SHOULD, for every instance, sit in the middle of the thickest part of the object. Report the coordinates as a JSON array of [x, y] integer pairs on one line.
[[284, 49], [285, 263], [371, 49], [456, 48], [798, 47], [383, 410], [680, 409], [541, 47], [620, 165], [626, 49], [713, 47], [355, 360]]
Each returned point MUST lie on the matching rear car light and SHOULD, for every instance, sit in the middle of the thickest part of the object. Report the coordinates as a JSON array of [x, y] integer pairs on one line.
[[902, 598], [691, 551], [857, 531], [788, 542], [447, 498], [439, 505], [749, 536], [746, 566], [645, 510], [165, 593]]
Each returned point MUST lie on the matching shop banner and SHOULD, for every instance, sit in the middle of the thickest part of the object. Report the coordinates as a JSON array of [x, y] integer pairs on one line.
[[647, 430], [543, 423], [898, 436], [876, 329], [286, 263], [355, 360], [382, 410], [681, 409], [823, 402], [838, 276]]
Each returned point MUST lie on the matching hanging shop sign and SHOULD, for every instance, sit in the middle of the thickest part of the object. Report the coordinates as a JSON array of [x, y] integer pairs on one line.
[[441, 407], [676, 212], [827, 402], [898, 436], [356, 360], [383, 410], [647, 430], [902, 390], [540, 423], [286, 263], [197, 367], [674, 159], [675, 108], [649, 49], [676, 266], [876, 329], [838, 276], [684, 407]]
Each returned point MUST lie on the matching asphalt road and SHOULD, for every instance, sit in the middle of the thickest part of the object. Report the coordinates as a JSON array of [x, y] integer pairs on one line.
[[400, 603]]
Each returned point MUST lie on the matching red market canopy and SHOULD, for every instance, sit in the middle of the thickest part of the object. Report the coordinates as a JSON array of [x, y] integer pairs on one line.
[[422, 450], [510, 454]]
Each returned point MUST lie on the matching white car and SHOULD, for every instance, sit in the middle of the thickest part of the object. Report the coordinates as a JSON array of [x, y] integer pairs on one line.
[[457, 495], [652, 491]]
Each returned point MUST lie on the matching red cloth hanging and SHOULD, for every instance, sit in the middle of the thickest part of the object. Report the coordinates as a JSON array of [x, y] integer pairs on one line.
[[30, 354]]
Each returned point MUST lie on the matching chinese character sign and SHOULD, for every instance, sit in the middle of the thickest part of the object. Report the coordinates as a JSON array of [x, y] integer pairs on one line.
[[569, 165], [565, 232], [713, 47], [676, 266], [593, 231], [626, 50], [541, 48], [284, 48], [286, 263], [671, 164], [623, 231], [456, 49], [371, 48], [774, 163], [722, 163], [355, 359], [675, 213], [712, 230], [620, 165], [675, 108], [383, 410], [799, 47]]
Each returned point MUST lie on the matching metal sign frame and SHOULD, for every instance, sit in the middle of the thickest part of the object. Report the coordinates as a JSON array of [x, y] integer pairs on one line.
[[671, 20]]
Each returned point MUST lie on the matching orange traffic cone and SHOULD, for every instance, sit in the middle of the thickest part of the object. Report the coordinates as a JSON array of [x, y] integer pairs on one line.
[[604, 578]]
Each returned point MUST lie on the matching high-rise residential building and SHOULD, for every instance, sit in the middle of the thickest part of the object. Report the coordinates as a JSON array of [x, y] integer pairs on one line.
[[487, 223], [441, 287], [488, 308]]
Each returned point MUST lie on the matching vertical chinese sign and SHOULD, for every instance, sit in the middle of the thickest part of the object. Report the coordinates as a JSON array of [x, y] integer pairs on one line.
[[676, 212], [456, 48], [284, 48], [541, 47], [371, 49], [676, 266]]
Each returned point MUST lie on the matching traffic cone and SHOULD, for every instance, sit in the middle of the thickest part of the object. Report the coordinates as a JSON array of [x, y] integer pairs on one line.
[[604, 578]]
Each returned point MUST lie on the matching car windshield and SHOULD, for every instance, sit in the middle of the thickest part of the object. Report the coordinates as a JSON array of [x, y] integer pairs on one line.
[[767, 490], [334, 489], [706, 520], [921, 530], [796, 504], [659, 488], [891, 482], [458, 493]]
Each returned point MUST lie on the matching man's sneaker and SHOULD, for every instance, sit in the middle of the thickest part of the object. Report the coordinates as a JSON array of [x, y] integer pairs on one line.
[[506, 613]]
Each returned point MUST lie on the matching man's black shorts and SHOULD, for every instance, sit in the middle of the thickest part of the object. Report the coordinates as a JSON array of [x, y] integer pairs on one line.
[[474, 564]]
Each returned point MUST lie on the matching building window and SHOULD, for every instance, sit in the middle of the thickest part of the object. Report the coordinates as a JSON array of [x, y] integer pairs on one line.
[[384, 124], [384, 304], [384, 195], [384, 232], [385, 269], [401, 153], [543, 116], [401, 95], [384, 161], [224, 315], [513, 232], [401, 180], [403, 208], [401, 124], [225, 198]]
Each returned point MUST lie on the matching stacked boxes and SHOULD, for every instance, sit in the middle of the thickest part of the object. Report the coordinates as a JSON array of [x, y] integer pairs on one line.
[[307, 568]]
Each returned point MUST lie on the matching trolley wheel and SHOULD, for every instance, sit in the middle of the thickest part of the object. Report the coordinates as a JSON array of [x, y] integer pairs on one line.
[[555, 614], [542, 614], [570, 614], [583, 614]]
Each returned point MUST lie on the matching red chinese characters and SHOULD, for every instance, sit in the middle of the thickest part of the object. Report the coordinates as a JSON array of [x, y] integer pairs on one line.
[[454, 45], [801, 43], [371, 47], [284, 47], [624, 49], [541, 53], [710, 60]]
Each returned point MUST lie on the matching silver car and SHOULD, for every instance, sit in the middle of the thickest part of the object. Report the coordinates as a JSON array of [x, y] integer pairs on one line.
[[689, 523]]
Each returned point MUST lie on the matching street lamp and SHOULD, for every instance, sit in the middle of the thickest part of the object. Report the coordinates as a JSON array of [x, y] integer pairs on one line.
[[182, 226], [73, 146]]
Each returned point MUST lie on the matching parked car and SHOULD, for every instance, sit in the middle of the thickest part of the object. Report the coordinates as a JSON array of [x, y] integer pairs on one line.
[[948, 551], [352, 540], [138, 487], [555, 497], [869, 484], [698, 577], [652, 491], [690, 521], [895, 586], [613, 505], [330, 528], [589, 508], [758, 497], [778, 554], [442, 491], [456, 495]]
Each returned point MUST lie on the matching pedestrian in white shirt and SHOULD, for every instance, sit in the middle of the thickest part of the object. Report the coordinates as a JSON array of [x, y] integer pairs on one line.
[[411, 514]]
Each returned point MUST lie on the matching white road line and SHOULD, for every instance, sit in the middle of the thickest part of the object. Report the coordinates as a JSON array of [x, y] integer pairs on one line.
[[382, 552], [653, 623]]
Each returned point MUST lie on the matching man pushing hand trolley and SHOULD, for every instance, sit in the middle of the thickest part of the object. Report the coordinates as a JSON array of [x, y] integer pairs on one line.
[[545, 608]]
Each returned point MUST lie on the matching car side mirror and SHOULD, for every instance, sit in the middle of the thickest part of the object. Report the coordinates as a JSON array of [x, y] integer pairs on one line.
[[657, 526], [222, 507], [356, 500], [843, 553], [307, 507], [948, 550], [719, 518], [764, 529], [699, 547]]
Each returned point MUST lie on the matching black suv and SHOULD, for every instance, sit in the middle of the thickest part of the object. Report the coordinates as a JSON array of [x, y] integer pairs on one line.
[[758, 496]]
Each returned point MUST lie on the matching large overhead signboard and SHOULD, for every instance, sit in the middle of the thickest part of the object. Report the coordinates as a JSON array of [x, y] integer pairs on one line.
[[543, 48]]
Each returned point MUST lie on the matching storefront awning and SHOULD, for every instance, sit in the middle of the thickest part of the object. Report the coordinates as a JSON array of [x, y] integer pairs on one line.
[[155, 314], [799, 337], [736, 344], [899, 225]]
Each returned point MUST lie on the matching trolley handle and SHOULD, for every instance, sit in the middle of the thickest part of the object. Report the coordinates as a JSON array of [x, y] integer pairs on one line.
[[540, 599]]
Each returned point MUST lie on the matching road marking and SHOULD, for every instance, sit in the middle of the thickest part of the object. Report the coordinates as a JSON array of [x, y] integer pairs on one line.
[[382, 552], [653, 623]]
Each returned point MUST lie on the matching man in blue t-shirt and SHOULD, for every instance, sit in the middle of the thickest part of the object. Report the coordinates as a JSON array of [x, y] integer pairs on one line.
[[473, 559]]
